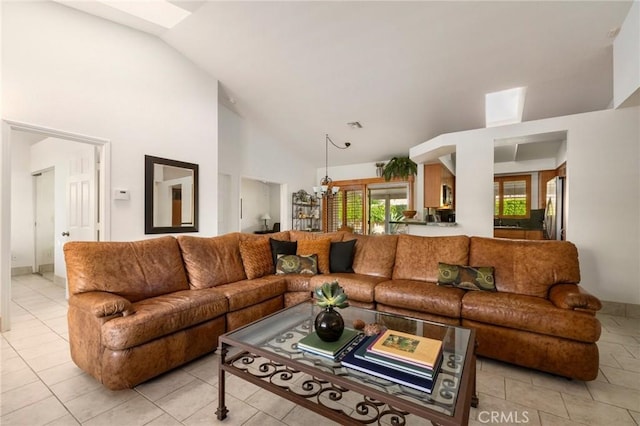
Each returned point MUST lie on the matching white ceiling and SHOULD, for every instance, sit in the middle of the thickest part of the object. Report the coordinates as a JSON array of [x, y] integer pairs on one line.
[[408, 71]]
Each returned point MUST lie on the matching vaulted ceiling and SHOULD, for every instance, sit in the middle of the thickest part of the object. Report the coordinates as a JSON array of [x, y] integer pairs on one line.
[[407, 71]]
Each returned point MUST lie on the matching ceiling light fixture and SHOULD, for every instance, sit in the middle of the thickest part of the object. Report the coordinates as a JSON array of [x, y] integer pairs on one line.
[[326, 188]]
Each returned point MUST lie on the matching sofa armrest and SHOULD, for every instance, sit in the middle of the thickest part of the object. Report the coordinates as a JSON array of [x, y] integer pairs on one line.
[[572, 296], [102, 304]]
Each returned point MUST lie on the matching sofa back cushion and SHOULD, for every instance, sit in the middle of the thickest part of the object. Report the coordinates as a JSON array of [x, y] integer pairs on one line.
[[256, 257], [212, 261], [526, 267], [374, 254], [304, 235], [417, 257], [134, 270]]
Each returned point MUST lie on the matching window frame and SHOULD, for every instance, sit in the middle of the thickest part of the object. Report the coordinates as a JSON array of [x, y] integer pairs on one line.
[[500, 180]]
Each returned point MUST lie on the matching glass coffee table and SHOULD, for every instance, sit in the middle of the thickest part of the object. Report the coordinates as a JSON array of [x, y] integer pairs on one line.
[[265, 353]]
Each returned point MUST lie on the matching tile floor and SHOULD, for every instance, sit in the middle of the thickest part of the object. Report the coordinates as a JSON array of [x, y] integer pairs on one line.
[[40, 385]]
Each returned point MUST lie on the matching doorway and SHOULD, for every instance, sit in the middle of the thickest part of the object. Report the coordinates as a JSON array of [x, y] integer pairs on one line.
[[386, 203], [44, 211], [17, 138]]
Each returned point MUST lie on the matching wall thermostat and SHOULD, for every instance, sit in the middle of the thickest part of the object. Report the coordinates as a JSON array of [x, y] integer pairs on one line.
[[120, 194]]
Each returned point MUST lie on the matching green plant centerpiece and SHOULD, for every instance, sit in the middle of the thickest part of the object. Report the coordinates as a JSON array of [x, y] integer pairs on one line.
[[406, 169], [329, 324]]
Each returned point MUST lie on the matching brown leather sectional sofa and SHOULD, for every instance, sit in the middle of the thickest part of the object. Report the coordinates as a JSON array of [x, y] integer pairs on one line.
[[138, 309]]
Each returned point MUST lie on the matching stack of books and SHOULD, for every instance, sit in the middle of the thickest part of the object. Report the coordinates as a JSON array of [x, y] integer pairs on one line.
[[403, 358], [311, 343]]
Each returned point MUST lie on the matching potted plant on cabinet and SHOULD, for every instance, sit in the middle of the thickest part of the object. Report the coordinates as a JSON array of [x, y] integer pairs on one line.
[[406, 169]]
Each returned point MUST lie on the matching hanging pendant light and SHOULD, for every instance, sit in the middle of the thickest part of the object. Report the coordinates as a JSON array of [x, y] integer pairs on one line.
[[326, 188]]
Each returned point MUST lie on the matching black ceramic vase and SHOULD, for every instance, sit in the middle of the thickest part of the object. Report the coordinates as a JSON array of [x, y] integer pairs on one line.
[[329, 325]]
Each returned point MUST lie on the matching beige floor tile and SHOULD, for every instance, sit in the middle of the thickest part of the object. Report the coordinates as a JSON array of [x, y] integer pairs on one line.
[[595, 413], [14, 379], [60, 373], [74, 387], [262, 419], [609, 360], [270, 404], [615, 395], [239, 388], [612, 349], [507, 370], [136, 411], [629, 363], [13, 364], [23, 396], [547, 419], [188, 399], [44, 348], [544, 400], [491, 384], [561, 384], [624, 378], [492, 410], [36, 341], [205, 370], [42, 412], [164, 384], [239, 413], [635, 415], [609, 337], [51, 359], [96, 402], [300, 416], [164, 420], [66, 420]]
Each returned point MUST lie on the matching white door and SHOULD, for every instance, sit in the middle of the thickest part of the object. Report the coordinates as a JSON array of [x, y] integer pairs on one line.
[[81, 196]]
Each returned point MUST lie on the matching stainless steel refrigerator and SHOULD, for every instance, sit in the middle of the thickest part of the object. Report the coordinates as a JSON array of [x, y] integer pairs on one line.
[[554, 211]]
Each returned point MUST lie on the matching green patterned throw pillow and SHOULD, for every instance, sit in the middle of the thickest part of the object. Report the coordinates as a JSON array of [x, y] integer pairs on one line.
[[466, 277], [294, 264]]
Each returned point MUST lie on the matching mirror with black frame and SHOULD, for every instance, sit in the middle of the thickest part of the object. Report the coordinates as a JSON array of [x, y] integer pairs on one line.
[[171, 196]]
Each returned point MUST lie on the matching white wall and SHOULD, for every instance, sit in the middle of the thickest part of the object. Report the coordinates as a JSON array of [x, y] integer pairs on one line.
[[105, 80], [22, 214], [245, 150], [626, 57], [603, 184]]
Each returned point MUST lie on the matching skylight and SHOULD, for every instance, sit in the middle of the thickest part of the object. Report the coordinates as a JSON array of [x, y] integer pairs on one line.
[[504, 107], [159, 12]]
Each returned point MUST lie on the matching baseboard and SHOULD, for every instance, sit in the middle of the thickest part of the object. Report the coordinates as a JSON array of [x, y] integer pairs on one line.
[[60, 281], [21, 270], [629, 310], [45, 268]]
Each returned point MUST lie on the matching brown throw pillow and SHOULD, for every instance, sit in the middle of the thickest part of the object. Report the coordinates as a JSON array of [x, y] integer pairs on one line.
[[256, 257], [321, 247], [466, 277], [294, 264]]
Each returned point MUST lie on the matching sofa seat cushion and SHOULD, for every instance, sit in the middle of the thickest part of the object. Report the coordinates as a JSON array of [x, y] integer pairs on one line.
[[297, 282], [251, 292], [530, 313], [162, 315], [357, 287], [420, 296]]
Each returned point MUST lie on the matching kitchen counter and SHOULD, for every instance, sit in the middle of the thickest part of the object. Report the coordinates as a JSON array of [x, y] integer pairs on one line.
[[423, 223]]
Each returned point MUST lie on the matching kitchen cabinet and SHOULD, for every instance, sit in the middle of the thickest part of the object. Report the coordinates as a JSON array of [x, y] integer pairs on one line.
[[518, 233], [439, 184]]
